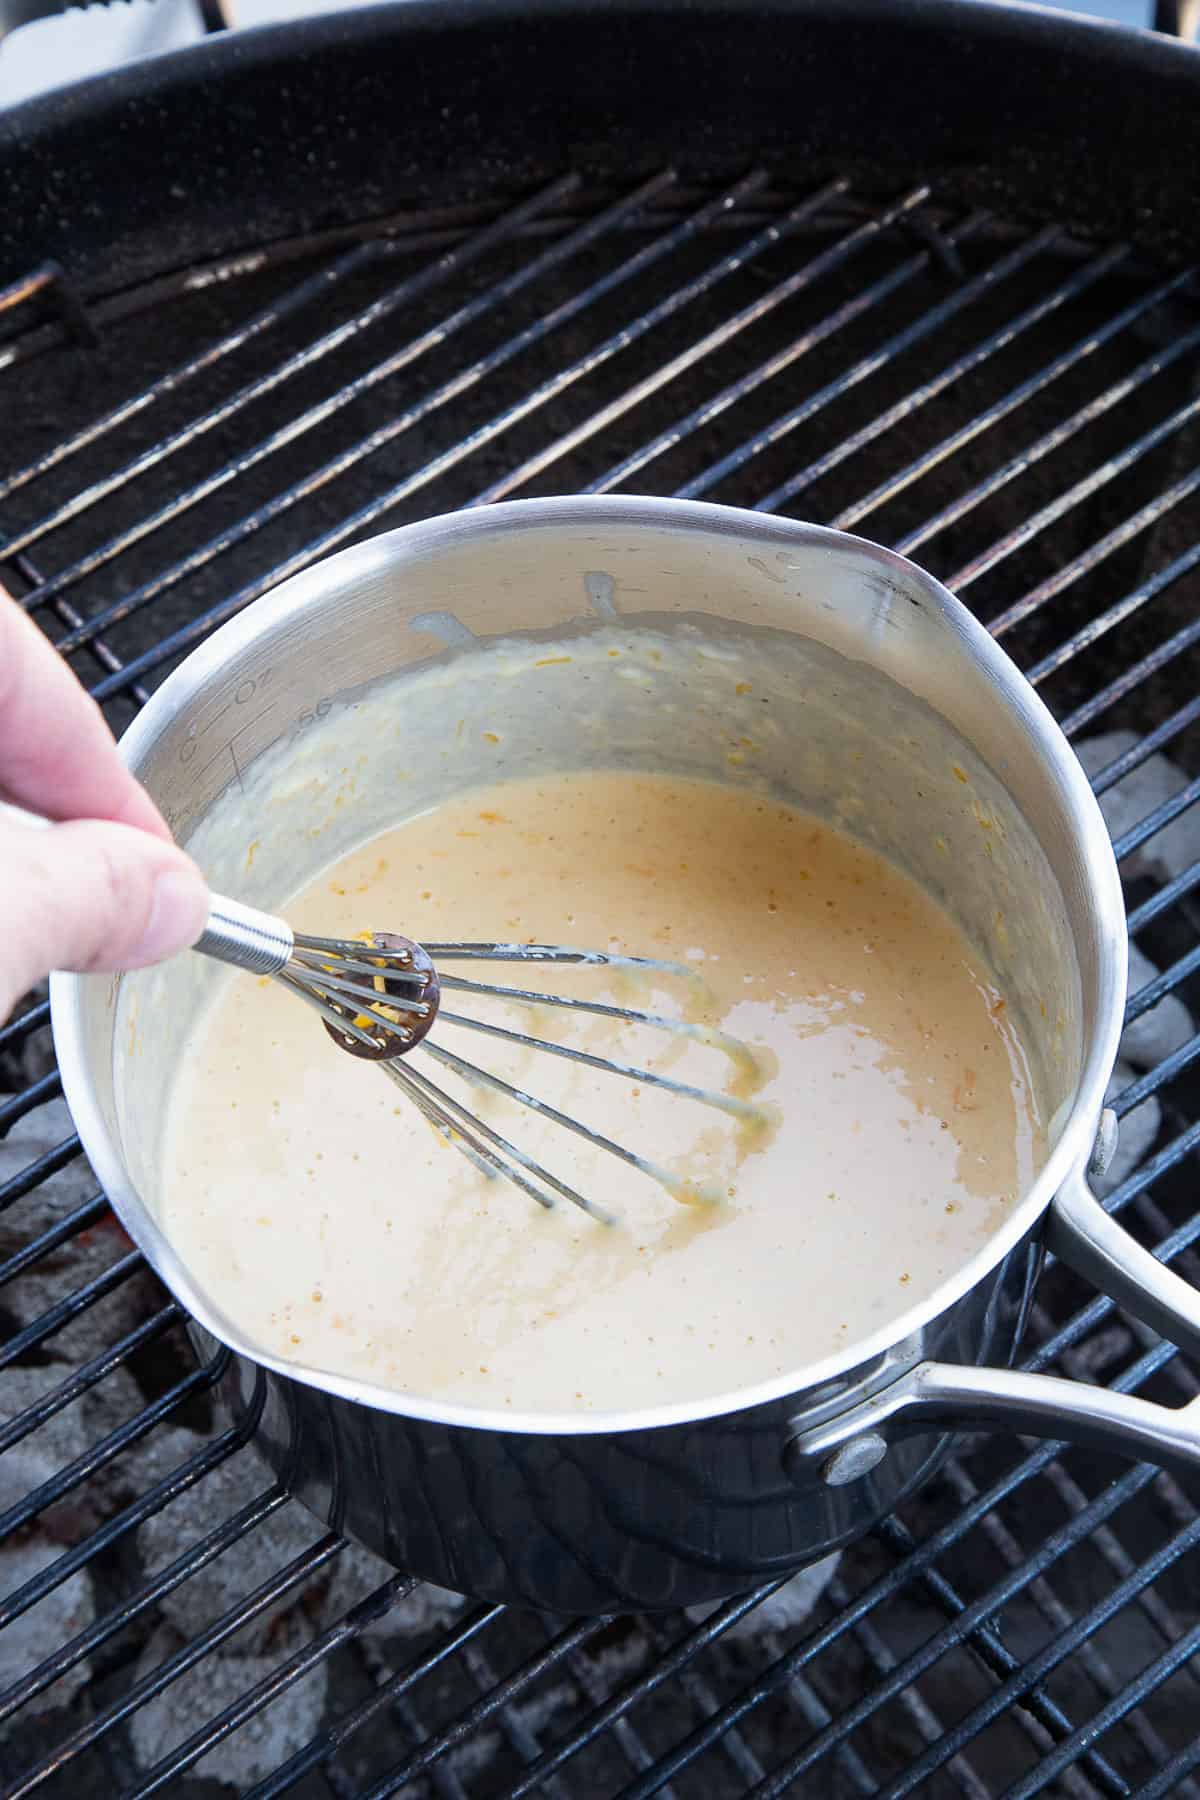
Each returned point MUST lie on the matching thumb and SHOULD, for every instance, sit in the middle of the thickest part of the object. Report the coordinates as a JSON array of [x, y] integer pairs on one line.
[[90, 895]]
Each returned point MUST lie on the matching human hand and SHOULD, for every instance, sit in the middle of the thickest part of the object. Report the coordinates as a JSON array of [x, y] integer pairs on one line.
[[106, 888]]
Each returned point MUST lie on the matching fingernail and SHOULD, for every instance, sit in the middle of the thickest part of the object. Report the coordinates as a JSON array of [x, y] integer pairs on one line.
[[177, 917]]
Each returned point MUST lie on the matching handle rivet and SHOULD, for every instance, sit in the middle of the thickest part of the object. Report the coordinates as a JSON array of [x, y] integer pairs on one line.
[[853, 1460], [1105, 1146]]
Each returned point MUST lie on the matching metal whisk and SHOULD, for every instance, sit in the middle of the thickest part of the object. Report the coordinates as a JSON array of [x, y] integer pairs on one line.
[[380, 996]]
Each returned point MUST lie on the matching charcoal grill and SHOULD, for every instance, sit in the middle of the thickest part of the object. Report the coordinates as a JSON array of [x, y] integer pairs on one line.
[[925, 276]]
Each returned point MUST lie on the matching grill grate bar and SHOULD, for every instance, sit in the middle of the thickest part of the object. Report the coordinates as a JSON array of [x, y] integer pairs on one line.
[[72, 322], [48, 1493], [17, 1186], [1115, 539], [518, 1734], [1141, 752], [90, 1213], [918, 1561], [1061, 433], [17, 1030], [1011, 402], [319, 1751], [1164, 899], [1156, 821], [1171, 1775], [450, 262], [1159, 1077], [625, 1736], [1079, 1362], [922, 1659], [922, 1714], [1116, 1709], [633, 1692], [412, 415], [315, 287], [20, 292], [103, 1630], [1057, 1614], [35, 1095], [1116, 615], [55, 1318], [866, 366], [433, 338], [475, 1715], [445, 1781], [158, 1680], [100, 652], [256, 1698], [1043, 1719], [1078, 1327], [1153, 991], [814, 1710], [702, 1700], [1124, 1566], [1042, 1663], [823, 264], [1150, 664], [152, 1501], [919, 396], [87, 1375]]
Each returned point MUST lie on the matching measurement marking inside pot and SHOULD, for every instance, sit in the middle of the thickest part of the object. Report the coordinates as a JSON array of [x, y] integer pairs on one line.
[[229, 742]]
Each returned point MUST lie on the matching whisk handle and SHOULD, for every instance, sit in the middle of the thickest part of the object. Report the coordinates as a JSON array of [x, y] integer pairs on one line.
[[246, 938], [236, 934]]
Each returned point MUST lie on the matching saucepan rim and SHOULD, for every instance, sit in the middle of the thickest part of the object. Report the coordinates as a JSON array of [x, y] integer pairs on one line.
[[419, 541]]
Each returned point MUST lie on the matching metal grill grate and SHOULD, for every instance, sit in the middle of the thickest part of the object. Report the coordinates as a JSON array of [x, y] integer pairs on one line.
[[1018, 409]]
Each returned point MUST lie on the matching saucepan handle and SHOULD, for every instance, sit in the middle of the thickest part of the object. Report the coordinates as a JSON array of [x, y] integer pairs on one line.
[[1083, 1235], [948, 1396]]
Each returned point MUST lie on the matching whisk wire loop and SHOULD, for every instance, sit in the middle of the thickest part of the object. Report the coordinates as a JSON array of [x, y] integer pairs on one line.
[[379, 996]]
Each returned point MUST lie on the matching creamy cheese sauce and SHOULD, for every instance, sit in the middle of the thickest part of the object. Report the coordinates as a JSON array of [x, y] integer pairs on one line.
[[897, 1126]]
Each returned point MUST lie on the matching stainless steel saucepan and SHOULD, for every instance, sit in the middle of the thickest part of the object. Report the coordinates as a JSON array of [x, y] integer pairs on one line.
[[895, 714]]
